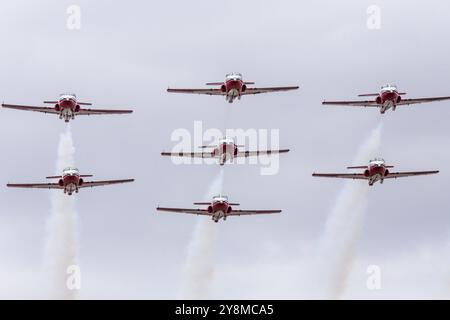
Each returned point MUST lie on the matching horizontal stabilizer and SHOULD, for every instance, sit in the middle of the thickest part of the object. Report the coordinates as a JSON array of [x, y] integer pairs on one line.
[[368, 95], [51, 102], [214, 83], [202, 203], [84, 103], [81, 176], [357, 167], [249, 82]]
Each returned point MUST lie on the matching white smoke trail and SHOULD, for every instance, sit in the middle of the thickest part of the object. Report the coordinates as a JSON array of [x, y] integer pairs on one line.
[[199, 266], [343, 227], [61, 242]]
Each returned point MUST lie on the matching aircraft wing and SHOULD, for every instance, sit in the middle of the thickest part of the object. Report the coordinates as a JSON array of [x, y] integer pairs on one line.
[[35, 185], [358, 176], [421, 100], [188, 154], [203, 212], [251, 212], [211, 92], [268, 89], [88, 112], [30, 108], [91, 184], [395, 175], [360, 103], [259, 153]]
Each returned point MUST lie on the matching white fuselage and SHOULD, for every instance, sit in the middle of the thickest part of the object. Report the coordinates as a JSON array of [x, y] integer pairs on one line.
[[225, 151], [388, 96], [67, 106]]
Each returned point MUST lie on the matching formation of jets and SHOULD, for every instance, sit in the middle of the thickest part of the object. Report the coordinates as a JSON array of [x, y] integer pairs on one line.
[[70, 181]]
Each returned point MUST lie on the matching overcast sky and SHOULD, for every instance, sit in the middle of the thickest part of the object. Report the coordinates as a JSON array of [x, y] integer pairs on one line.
[[127, 53]]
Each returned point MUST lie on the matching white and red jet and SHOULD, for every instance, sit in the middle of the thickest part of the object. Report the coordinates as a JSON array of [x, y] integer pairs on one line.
[[67, 107], [226, 150], [218, 208], [387, 98], [377, 170], [70, 181], [233, 87]]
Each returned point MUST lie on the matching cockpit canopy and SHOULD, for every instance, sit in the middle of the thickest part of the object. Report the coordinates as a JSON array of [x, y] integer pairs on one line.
[[68, 95], [227, 140], [377, 161], [234, 76], [389, 87], [220, 198], [70, 172]]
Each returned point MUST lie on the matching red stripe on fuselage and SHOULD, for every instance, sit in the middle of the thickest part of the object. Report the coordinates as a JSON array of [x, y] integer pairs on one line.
[[219, 206], [71, 180], [389, 96], [376, 170], [67, 104], [234, 84]]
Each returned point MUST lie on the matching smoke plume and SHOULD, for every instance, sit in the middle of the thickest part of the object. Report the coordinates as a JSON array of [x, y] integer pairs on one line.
[[61, 242], [199, 266], [343, 227]]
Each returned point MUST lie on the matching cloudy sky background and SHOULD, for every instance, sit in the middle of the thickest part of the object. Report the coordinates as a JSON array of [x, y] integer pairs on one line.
[[126, 54]]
